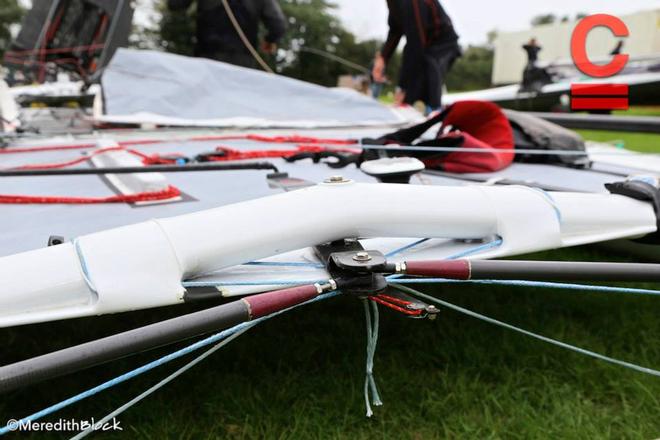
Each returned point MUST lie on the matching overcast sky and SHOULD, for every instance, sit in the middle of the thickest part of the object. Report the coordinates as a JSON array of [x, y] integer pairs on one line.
[[474, 18]]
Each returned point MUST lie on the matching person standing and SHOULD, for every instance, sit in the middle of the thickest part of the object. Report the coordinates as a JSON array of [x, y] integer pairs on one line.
[[218, 39], [532, 48], [431, 50], [534, 77]]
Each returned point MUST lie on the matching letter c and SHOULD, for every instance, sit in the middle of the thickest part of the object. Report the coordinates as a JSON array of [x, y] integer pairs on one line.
[[579, 45]]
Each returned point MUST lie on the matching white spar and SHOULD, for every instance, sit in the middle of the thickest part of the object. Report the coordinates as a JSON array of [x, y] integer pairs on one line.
[[142, 265]]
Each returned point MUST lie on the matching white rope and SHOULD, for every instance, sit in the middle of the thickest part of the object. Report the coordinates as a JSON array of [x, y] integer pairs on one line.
[[243, 38]]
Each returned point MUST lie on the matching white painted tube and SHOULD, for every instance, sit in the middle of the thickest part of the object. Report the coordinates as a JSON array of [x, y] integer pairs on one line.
[[142, 265]]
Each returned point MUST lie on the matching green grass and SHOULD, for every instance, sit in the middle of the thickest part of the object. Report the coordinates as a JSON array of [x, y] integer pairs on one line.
[[640, 111], [301, 375], [634, 141]]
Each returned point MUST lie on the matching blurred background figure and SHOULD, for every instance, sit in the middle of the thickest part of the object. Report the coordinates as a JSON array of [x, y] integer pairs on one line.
[[218, 38], [534, 77], [377, 85], [532, 48], [619, 47], [431, 49]]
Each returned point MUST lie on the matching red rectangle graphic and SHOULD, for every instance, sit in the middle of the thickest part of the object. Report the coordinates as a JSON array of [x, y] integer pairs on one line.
[[599, 89], [599, 103]]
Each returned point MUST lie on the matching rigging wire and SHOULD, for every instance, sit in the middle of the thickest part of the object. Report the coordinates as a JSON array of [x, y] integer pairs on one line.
[[157, 363], [539, 284], [160, 384], [546, 339], [329, 144], [244, 39], [336, 58], [395, 278]]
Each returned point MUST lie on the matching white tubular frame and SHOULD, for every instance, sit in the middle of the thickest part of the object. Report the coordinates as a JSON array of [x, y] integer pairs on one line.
[[142, 265]]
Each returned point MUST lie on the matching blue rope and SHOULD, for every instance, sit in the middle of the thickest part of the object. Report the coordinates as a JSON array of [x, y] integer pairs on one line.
[[484, 247], [370, 388], [284, 264], [528, 333], [490, 245], [552, 201], [521, 283], [83, 265], [251, 283], [157, 363], [406, 247]]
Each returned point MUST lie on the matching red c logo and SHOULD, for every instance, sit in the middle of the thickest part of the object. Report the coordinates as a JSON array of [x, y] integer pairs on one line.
[[579, 45]]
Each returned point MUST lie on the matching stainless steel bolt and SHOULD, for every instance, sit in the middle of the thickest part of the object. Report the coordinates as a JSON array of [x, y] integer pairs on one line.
[[362, 256]]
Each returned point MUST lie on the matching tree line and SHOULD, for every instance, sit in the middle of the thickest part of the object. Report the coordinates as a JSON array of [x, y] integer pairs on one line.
[[314, 29]]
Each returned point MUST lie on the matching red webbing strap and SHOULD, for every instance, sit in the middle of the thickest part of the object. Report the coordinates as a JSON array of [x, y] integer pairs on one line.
[[148, 196]]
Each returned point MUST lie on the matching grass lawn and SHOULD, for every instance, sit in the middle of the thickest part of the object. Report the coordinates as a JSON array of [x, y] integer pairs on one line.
[[640, 111], [645, 142], [301, 375]]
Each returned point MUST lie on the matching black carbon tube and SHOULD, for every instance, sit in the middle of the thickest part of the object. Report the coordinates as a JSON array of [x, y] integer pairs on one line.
[[145, 169], [79, 357], [563, 271]]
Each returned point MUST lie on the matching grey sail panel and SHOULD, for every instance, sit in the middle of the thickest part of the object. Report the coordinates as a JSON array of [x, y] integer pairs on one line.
[[177, 90]]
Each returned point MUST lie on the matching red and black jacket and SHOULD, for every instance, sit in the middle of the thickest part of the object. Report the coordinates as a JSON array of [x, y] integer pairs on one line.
[[424, 23]]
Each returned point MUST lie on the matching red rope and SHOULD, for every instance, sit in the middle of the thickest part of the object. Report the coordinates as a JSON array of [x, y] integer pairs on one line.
[[251, 137], [147, 196], [18, 53], [394, 300], [295, 139], [234, 154], [45, 148], [52, 166], [379, 299], [152, 159]]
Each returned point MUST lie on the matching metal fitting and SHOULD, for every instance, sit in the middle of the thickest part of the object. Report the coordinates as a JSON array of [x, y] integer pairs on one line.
[[336, 179], [362, 256]]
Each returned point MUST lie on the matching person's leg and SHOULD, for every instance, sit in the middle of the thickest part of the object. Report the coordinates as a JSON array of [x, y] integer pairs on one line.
[[412, 78], [438, 64]]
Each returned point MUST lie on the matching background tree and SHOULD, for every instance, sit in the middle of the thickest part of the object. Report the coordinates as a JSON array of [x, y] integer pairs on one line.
[[313, 25], [542, 19], [11, 14], [473, 71]]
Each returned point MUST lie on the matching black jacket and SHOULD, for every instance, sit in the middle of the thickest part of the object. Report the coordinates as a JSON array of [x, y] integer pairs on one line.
[[215, 32], [424, 23], [532, 53]]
